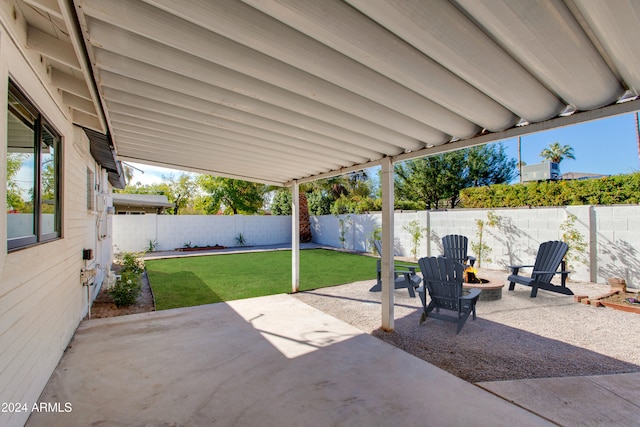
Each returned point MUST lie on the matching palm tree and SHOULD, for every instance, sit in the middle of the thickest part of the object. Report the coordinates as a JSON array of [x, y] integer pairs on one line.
[[557, 153]]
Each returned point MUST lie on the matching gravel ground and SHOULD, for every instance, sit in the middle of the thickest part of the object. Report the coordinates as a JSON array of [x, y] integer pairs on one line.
[[516, 337]]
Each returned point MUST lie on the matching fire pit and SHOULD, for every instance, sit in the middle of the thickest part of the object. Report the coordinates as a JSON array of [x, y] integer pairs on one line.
[[490, 291]]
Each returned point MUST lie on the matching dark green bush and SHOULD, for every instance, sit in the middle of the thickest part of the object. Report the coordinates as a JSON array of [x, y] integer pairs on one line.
[[618, 189]]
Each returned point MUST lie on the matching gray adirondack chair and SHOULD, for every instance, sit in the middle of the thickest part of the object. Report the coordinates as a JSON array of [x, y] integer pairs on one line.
[[405, 276], [549, 258], [442, 279], [455, 247]]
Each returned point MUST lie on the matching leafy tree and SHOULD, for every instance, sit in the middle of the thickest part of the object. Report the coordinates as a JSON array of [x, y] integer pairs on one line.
[[232, 195], [350, 193], [438, 179], [281, 203], [319, 204], [48, 187], [557, 153], [430, 179], [489, 164], [14, 194], [182, 190]]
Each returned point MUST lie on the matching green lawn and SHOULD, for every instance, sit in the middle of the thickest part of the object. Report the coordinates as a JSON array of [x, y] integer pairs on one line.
[[189, 281]]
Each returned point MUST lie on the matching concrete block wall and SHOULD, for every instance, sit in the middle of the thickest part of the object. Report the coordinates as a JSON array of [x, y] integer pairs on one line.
[[359, 230], [617, 237], [132, 233], [611, 235]]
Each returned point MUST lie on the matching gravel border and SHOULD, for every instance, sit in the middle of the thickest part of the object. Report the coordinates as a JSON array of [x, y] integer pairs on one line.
[[516, 337]]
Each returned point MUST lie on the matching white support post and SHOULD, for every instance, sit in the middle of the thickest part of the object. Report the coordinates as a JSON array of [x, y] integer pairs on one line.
[[388, 285], [295, 237]]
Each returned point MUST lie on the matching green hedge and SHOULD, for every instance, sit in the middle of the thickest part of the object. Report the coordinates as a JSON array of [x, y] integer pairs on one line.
[[618, 189]]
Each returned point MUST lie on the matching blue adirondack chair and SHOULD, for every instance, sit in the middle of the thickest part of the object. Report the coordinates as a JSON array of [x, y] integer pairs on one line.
[[550, 257], [455, 247], [442, 279], [405, 276]]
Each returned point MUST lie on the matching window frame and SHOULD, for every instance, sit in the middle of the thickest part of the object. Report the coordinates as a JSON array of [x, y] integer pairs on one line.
[[41, 124]]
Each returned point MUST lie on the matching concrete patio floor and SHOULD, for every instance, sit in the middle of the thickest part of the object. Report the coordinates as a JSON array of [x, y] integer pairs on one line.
[[269, 361], [275, 361]]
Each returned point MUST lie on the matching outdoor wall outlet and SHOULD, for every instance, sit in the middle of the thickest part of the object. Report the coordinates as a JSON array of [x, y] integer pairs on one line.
[[86, 274]]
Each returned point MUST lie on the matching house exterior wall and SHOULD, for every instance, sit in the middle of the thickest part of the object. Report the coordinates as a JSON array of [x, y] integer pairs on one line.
[[122, 209], [42, 299]]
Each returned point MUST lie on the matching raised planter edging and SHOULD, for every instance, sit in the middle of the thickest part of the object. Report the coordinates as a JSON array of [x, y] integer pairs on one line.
[[200, 248], [598, 301]]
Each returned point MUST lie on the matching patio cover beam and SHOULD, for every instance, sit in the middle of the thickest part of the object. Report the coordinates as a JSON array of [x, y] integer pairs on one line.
[[573, 119], [558, 122]]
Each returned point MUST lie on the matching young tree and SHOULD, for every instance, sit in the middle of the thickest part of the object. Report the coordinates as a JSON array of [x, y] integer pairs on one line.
[[350, 193], [232, 195], [281, 203], [489, 164], [182, 190], [430, 179], [437, 179], [557, 153]]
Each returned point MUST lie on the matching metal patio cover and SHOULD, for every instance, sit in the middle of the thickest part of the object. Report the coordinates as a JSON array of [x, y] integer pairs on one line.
[[280, 90]]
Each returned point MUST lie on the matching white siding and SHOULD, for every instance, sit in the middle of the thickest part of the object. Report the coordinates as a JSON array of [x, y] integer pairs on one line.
[[41, 297]]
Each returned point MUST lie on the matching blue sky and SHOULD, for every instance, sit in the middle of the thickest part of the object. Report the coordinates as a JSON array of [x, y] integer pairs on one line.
[[607, 146]]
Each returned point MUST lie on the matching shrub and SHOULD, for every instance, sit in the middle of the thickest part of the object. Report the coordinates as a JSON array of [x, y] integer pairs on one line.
[[281, 204], [619, 189], [129, 285], [131, 261], [127, 288]]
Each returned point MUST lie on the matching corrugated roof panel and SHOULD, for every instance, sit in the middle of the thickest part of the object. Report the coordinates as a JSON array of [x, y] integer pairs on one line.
[[251, 28], [358, 37], [198, 78], [282, 90], [442, 32], [617, 27], [157, 26], [550, 43], [227, 120]]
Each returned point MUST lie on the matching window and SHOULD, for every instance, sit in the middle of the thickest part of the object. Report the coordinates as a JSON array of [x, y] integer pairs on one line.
[[33, 174]]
